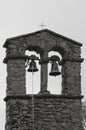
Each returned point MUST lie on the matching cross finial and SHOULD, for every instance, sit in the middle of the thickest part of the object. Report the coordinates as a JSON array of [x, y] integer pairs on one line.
[[42, 25]]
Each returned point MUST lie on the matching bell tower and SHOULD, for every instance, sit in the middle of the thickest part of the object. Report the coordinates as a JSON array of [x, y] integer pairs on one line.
[[44, 110]]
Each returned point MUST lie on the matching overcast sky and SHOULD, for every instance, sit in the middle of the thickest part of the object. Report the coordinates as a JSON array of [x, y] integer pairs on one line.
[[66, 17]]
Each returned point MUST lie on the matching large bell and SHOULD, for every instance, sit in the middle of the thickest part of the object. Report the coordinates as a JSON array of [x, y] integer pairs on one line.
[[54, 70], [32, 67]]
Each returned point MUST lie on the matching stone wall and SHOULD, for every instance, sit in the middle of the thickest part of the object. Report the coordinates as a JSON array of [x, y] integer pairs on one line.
[[16, 76], [51, 112], [71, 83]]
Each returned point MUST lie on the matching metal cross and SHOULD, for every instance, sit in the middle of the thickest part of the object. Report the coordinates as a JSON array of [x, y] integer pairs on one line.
[[42, 25]]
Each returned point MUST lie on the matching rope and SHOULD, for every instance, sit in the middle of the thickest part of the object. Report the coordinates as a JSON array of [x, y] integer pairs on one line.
[[32, 101]]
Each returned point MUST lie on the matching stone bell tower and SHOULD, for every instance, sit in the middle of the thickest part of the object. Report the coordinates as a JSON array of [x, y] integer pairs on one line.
[[51, 112]]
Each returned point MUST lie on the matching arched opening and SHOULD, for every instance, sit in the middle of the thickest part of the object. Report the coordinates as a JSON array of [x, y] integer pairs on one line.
[[54, 82], [33, 80]]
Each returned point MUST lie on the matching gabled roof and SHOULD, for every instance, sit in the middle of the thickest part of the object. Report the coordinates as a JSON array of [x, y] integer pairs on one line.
[[40, 31]]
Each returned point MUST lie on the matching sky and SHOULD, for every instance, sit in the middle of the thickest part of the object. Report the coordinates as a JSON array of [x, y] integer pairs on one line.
[[17, 17]]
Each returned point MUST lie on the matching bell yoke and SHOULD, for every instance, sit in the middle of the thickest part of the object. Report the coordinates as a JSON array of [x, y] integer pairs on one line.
[[53, 59]]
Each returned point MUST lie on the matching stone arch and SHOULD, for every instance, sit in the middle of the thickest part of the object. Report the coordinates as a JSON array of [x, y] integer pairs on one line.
[[58, 49], [35, 48], [52, 80], [36, 76], [38, 50]]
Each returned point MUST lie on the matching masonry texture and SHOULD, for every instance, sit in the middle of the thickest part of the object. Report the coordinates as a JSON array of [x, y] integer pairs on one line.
[[51, 112]]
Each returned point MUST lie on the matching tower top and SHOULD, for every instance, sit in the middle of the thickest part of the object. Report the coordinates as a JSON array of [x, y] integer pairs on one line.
[[40, 32]]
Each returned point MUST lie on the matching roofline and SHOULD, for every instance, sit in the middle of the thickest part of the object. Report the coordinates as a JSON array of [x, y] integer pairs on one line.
[[39, 31]]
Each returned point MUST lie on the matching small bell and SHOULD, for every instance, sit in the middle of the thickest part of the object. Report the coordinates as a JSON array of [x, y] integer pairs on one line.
[[32, 67], [54, 70]]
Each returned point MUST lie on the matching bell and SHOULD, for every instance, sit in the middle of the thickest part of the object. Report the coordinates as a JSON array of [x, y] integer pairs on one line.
[[54, 70], [32, 67]]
